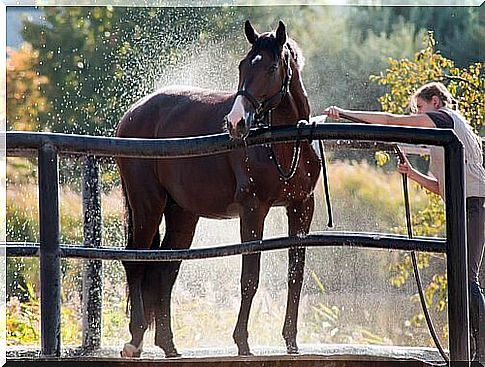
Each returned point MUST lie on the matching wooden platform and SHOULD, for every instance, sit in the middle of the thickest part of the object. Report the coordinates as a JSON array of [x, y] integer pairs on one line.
[[334, 355], [261, 361]]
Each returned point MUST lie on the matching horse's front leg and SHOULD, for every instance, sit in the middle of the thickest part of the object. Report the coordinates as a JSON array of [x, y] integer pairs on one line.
[[299, 219], [251, 223]]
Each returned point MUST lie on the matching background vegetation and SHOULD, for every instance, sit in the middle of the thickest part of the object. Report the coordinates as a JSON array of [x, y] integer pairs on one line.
[[81, 67]]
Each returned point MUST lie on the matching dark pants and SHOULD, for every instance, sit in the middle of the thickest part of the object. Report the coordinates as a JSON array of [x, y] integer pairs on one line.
[[475, 212]]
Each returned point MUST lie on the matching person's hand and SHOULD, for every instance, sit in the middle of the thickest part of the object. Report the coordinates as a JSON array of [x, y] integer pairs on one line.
[[405, 167], [333, 112]]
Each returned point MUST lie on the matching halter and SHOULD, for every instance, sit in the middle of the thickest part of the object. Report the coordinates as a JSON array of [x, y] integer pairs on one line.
[[262, 108], [263, 117]]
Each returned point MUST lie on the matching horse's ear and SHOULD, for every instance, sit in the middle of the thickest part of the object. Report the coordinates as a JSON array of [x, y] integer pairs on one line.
[[281, 34], [251, 33]]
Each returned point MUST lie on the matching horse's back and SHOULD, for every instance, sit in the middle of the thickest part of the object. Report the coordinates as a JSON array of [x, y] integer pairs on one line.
[[176, 112], [191, 182]]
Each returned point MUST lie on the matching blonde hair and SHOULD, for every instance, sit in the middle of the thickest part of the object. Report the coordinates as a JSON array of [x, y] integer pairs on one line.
[[428, 91]]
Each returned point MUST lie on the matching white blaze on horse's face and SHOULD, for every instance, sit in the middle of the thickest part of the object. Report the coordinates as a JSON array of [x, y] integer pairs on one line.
[[237, 113], [256, 59]]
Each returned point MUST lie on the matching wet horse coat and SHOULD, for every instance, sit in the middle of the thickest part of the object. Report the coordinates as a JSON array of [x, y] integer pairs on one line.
[[242, 183]]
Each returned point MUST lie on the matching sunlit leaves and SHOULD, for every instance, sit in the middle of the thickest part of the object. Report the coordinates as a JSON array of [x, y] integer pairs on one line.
[[404, 76], [25, 89], [381, 158]]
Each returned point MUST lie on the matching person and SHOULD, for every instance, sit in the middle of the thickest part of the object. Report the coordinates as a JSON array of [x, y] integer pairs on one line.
[[434, 107]]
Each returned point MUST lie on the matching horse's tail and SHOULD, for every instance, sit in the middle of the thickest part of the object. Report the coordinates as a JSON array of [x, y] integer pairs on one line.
[[128, 219], [128, 229], [152, 280]]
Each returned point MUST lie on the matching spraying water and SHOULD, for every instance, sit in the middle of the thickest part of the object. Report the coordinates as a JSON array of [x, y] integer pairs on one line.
[[346, 299]]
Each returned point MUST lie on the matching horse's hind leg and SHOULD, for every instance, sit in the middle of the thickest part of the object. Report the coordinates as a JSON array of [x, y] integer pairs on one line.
[[146, 202], [299, 219], [252, 223], [180, 229]]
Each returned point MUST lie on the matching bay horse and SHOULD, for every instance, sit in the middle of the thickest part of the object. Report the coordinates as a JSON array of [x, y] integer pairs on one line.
[[243, 183]]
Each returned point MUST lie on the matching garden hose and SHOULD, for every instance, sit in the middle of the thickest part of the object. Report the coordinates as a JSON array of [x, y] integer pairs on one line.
[[417, 275], [414, 260]]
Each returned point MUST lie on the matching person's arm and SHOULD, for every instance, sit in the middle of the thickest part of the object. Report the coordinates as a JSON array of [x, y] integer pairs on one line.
[[427, 182], [382, 118]]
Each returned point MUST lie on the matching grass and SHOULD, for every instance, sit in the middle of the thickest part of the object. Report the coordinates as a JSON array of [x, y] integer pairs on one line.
[[206, 296]]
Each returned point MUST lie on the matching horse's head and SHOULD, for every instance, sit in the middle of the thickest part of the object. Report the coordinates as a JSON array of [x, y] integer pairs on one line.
[[264, 79]]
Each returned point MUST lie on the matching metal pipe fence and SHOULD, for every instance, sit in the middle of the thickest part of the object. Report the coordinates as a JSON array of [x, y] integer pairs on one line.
[[48, 146]]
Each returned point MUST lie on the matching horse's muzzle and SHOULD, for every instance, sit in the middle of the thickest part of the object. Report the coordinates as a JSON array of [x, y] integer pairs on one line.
[[241, 130]]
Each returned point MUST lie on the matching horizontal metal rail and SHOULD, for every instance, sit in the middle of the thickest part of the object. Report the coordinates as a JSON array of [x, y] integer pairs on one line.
[[220, 143], [329, 145], [50, 145], [346, 239]]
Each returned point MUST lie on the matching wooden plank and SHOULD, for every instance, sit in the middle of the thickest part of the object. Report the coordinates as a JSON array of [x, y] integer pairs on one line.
[[260, 361]]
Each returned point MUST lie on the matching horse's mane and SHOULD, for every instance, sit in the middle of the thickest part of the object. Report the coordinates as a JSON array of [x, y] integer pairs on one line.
[[296, 53], [267, 41]]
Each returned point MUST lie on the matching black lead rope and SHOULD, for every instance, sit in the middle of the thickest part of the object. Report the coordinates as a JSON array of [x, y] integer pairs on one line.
[[325, 184], [323, 163], [294, 160], [414, 260]]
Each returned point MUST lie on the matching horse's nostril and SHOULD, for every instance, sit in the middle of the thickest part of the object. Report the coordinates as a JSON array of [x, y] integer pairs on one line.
[[241, 124]]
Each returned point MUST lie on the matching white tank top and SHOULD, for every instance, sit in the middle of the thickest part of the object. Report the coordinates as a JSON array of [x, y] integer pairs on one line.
[[472, 144]]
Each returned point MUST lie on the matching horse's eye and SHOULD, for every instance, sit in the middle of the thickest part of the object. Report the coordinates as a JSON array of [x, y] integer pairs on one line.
[[273, 68]]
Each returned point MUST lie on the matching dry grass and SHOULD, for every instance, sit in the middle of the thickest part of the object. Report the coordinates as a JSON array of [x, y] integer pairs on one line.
[[206, 295]]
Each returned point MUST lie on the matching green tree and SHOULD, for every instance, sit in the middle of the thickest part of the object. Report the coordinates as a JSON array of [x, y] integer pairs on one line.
[[404, 76], [458, 30], [98, 60]]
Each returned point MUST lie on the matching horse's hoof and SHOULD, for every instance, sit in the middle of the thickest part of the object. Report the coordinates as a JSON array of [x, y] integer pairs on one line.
[[245, 354], [168, 348], [244, 351], [173, 354], [130, 351], [292, 348]]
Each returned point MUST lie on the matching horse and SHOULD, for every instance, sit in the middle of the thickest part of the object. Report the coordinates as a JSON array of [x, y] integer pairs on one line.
[[243, 183]]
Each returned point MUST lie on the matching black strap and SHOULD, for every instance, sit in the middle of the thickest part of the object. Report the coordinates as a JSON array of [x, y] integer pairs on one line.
[[262, 108], [250, 98]]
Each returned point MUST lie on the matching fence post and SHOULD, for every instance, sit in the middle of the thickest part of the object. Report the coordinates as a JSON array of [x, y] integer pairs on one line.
[[456, 255], [93, 277], [50, 261]]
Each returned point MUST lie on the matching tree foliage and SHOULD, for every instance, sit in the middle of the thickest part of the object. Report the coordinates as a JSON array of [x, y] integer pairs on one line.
[[458, 30], [25, 98], [98, 60], [404, 76]]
